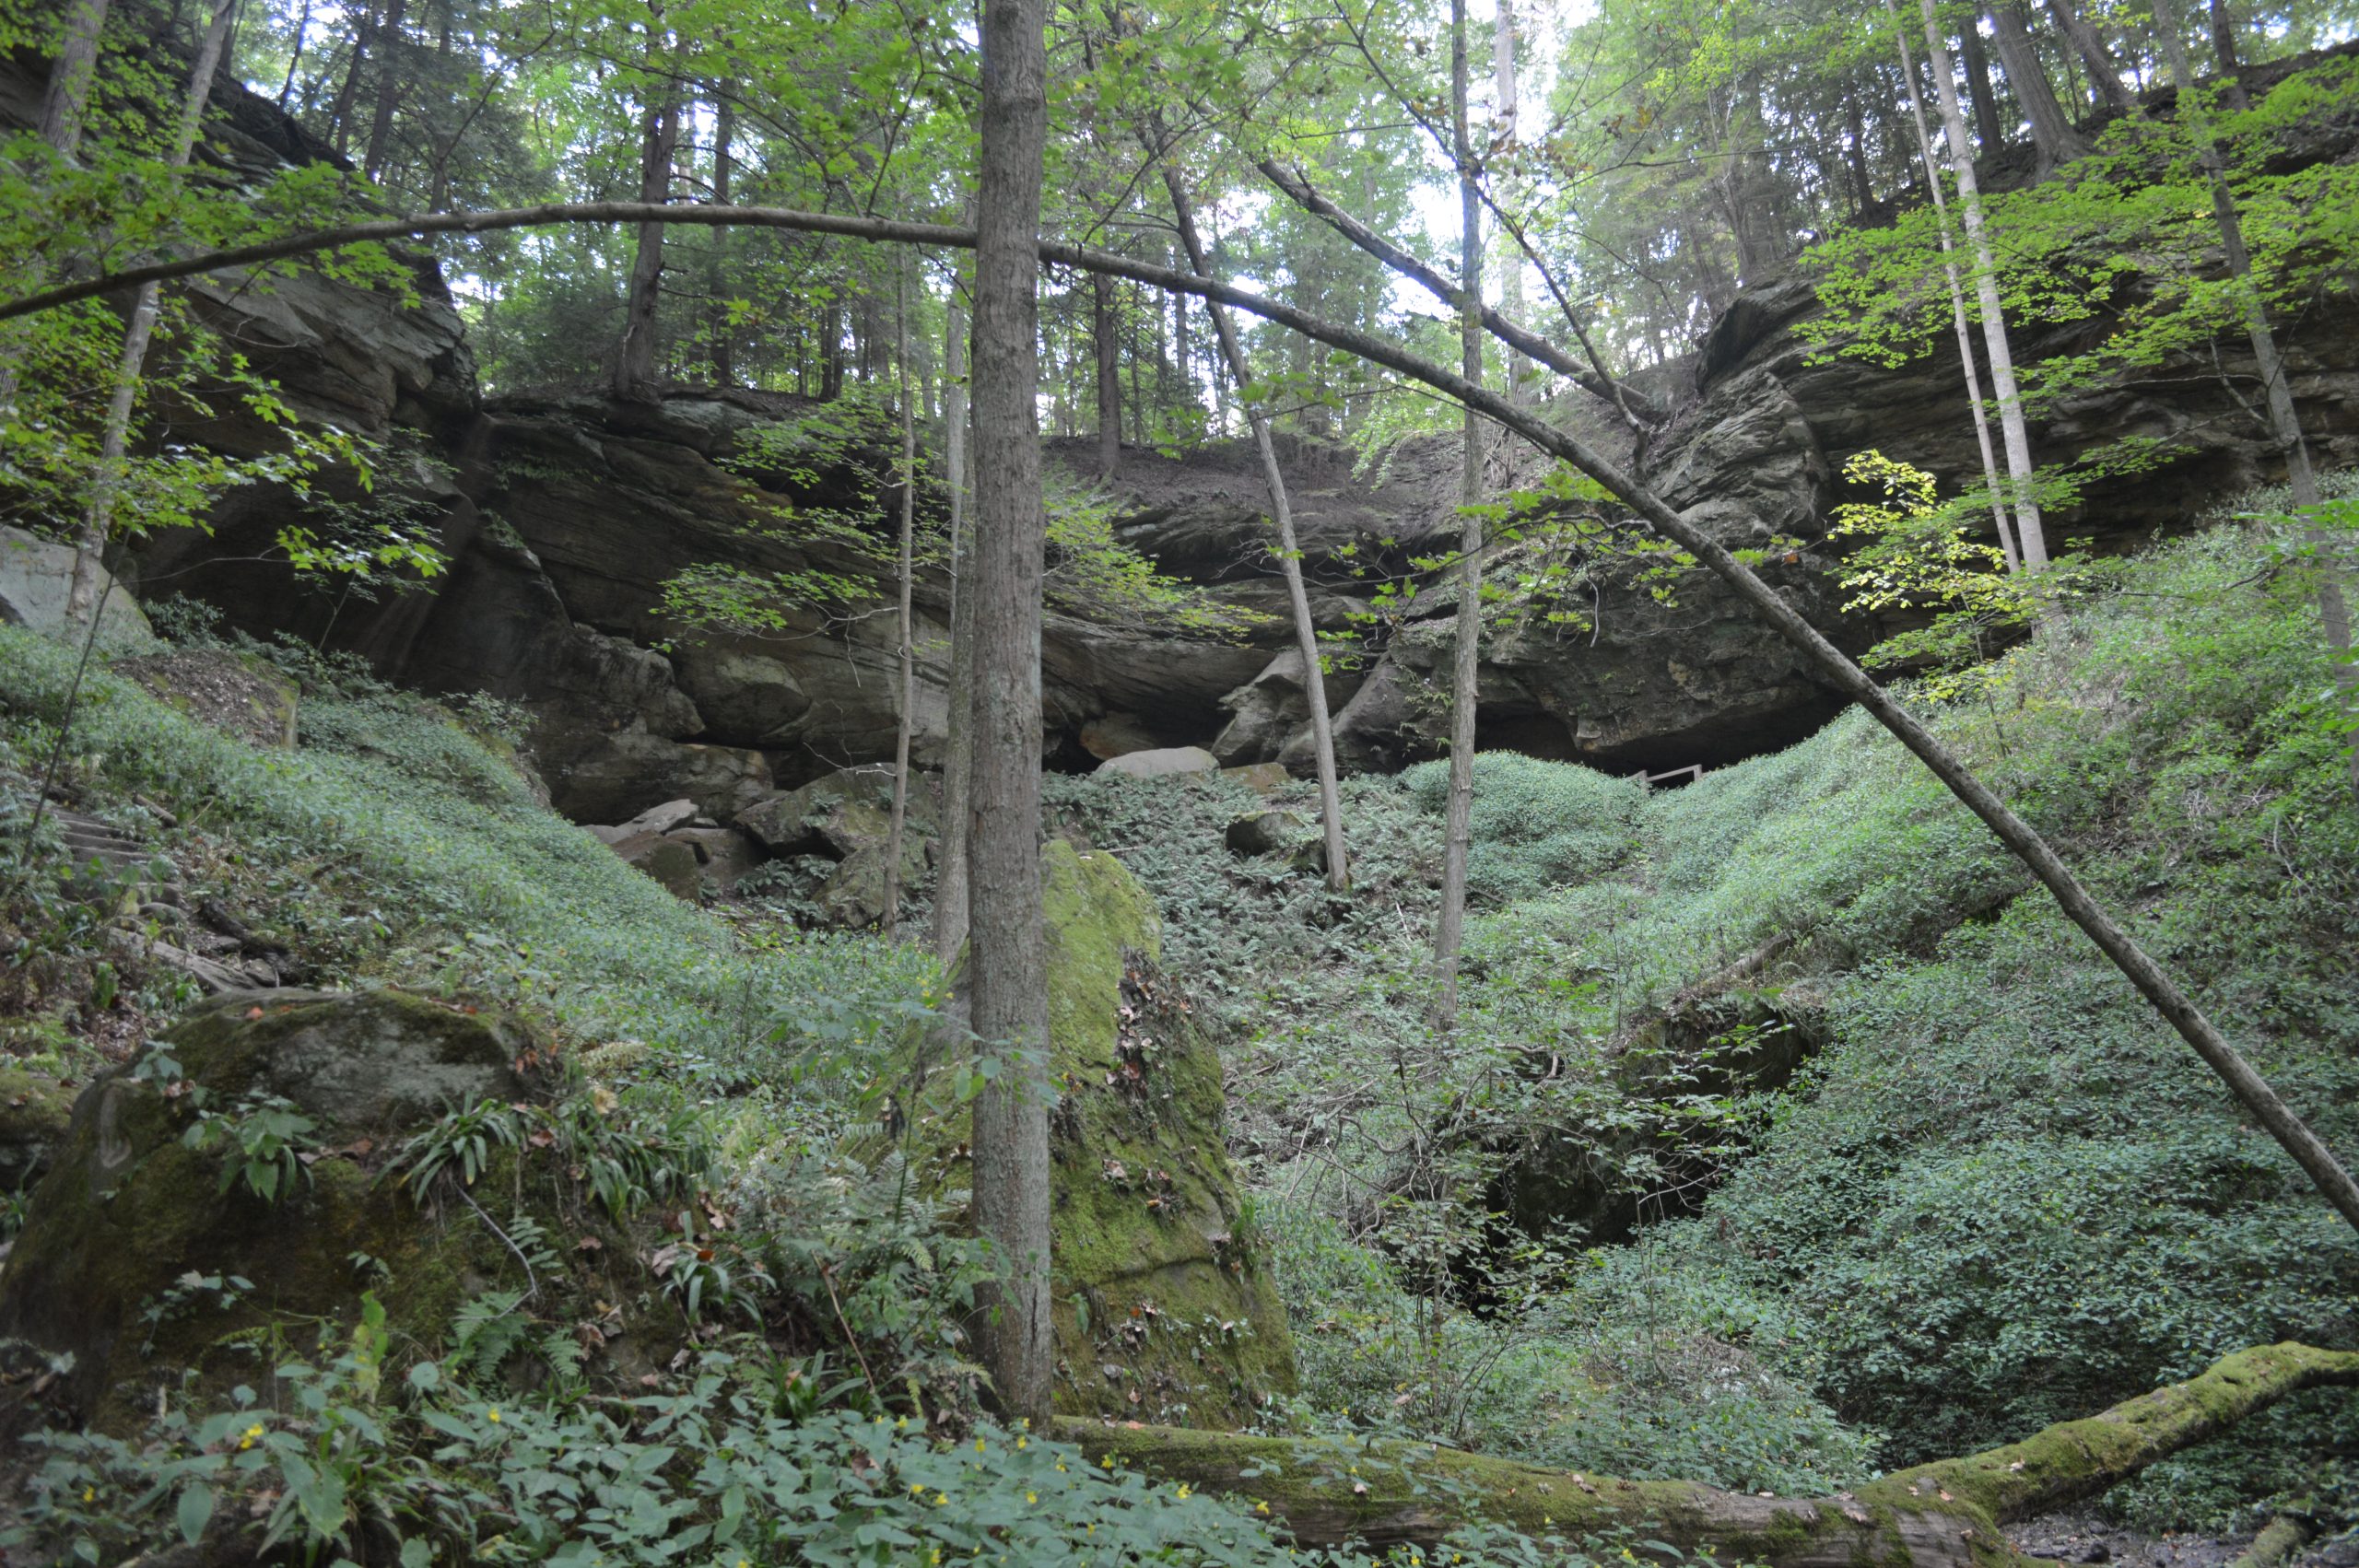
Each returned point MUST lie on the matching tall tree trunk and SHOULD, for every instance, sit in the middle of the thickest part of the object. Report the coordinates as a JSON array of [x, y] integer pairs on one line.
[[1108, 350], [389, 87], [2029, 537], [295, 55], [958, 746], [1306, 631], [68, 99], [1008, 948], [2284, 421], [2093, 54], [347, 92], [2053, 134], [1978, 91], [2224, 49], [1449, 927], [1855, 153], [893, 837], [724, 336], [1991, 478], [114, 441], [1503, 81], [659, 136], [831, 351]]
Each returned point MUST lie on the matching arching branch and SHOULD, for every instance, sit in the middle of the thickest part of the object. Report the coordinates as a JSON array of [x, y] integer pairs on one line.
[[1837, 669]]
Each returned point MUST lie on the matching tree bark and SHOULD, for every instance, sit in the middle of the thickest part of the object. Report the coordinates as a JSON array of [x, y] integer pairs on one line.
[[659, 137], [1007, 946], [724, 133], [114, 439], [66, 101], [2093, 54], [1945, 1515], [1504, 83], [2029, 537], [1992, 135], [2285, 420], [380, 125], [2152, 982], [1991, 478], [1306, 632], [1458, 833], [1108, 350], [2224, 37], [893, 836], [958, 746], [2054, 136]]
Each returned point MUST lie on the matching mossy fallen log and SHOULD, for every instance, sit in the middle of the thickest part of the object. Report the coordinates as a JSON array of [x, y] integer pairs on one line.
[[1944, 1514]]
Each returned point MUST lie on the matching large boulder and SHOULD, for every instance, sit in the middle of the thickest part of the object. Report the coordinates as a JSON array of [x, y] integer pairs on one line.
[[845, 820], [141, 1259], [1161, 763], [1164, 1307], [1273, 707], [36, 575]]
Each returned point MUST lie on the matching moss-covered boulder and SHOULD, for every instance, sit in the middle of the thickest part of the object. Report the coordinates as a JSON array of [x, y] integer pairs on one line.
[[144, 1254], [1165, 1310], [35, 1109]]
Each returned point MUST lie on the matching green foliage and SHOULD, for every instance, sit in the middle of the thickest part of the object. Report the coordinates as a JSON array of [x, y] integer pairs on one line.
[[267, 1138], [1537, 825], [715, 1467]]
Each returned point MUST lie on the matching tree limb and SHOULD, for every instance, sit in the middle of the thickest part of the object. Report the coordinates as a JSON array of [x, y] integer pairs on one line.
[[1837, 669], [1945, 1515], [1303, 195]]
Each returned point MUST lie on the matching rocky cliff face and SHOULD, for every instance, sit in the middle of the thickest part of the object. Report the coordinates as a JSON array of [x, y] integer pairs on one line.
[[563, 517]]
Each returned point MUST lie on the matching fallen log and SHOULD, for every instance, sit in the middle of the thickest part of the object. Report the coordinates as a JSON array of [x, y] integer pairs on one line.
[[1944, 1514]]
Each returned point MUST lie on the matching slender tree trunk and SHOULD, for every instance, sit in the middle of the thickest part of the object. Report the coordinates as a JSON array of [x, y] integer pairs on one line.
[[1306, 632], [2053, 134], [68, 100], [893, 836], [1110, 376], [1855, 153], [659, 136], [347, 92], [1008, 950], [2285, 420], [958, 746], [1503, 80], [724, 133], [1979, 92], [2224, 37], [295, 55], [2093, 54], [1458, 832], [2029, 535], [389, 87], [831, 352], [114, 441], [1991, 478]]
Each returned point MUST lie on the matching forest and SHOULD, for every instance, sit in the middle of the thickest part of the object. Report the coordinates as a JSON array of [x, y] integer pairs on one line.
[[1162, 781]]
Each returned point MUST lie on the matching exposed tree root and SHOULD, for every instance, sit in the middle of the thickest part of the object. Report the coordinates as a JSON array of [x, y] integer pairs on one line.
[[1944, 1514]]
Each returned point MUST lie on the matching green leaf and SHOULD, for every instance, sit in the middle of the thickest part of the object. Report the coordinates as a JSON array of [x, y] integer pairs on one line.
[[195, 1512]]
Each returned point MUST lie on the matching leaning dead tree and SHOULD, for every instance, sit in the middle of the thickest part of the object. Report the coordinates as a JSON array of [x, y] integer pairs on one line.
[[1943, 1514], [2152, 982]]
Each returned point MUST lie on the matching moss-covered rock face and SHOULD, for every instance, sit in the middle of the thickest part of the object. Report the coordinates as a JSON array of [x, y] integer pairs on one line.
[[1164, 1307], [141, 1260], [34, 1111]]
